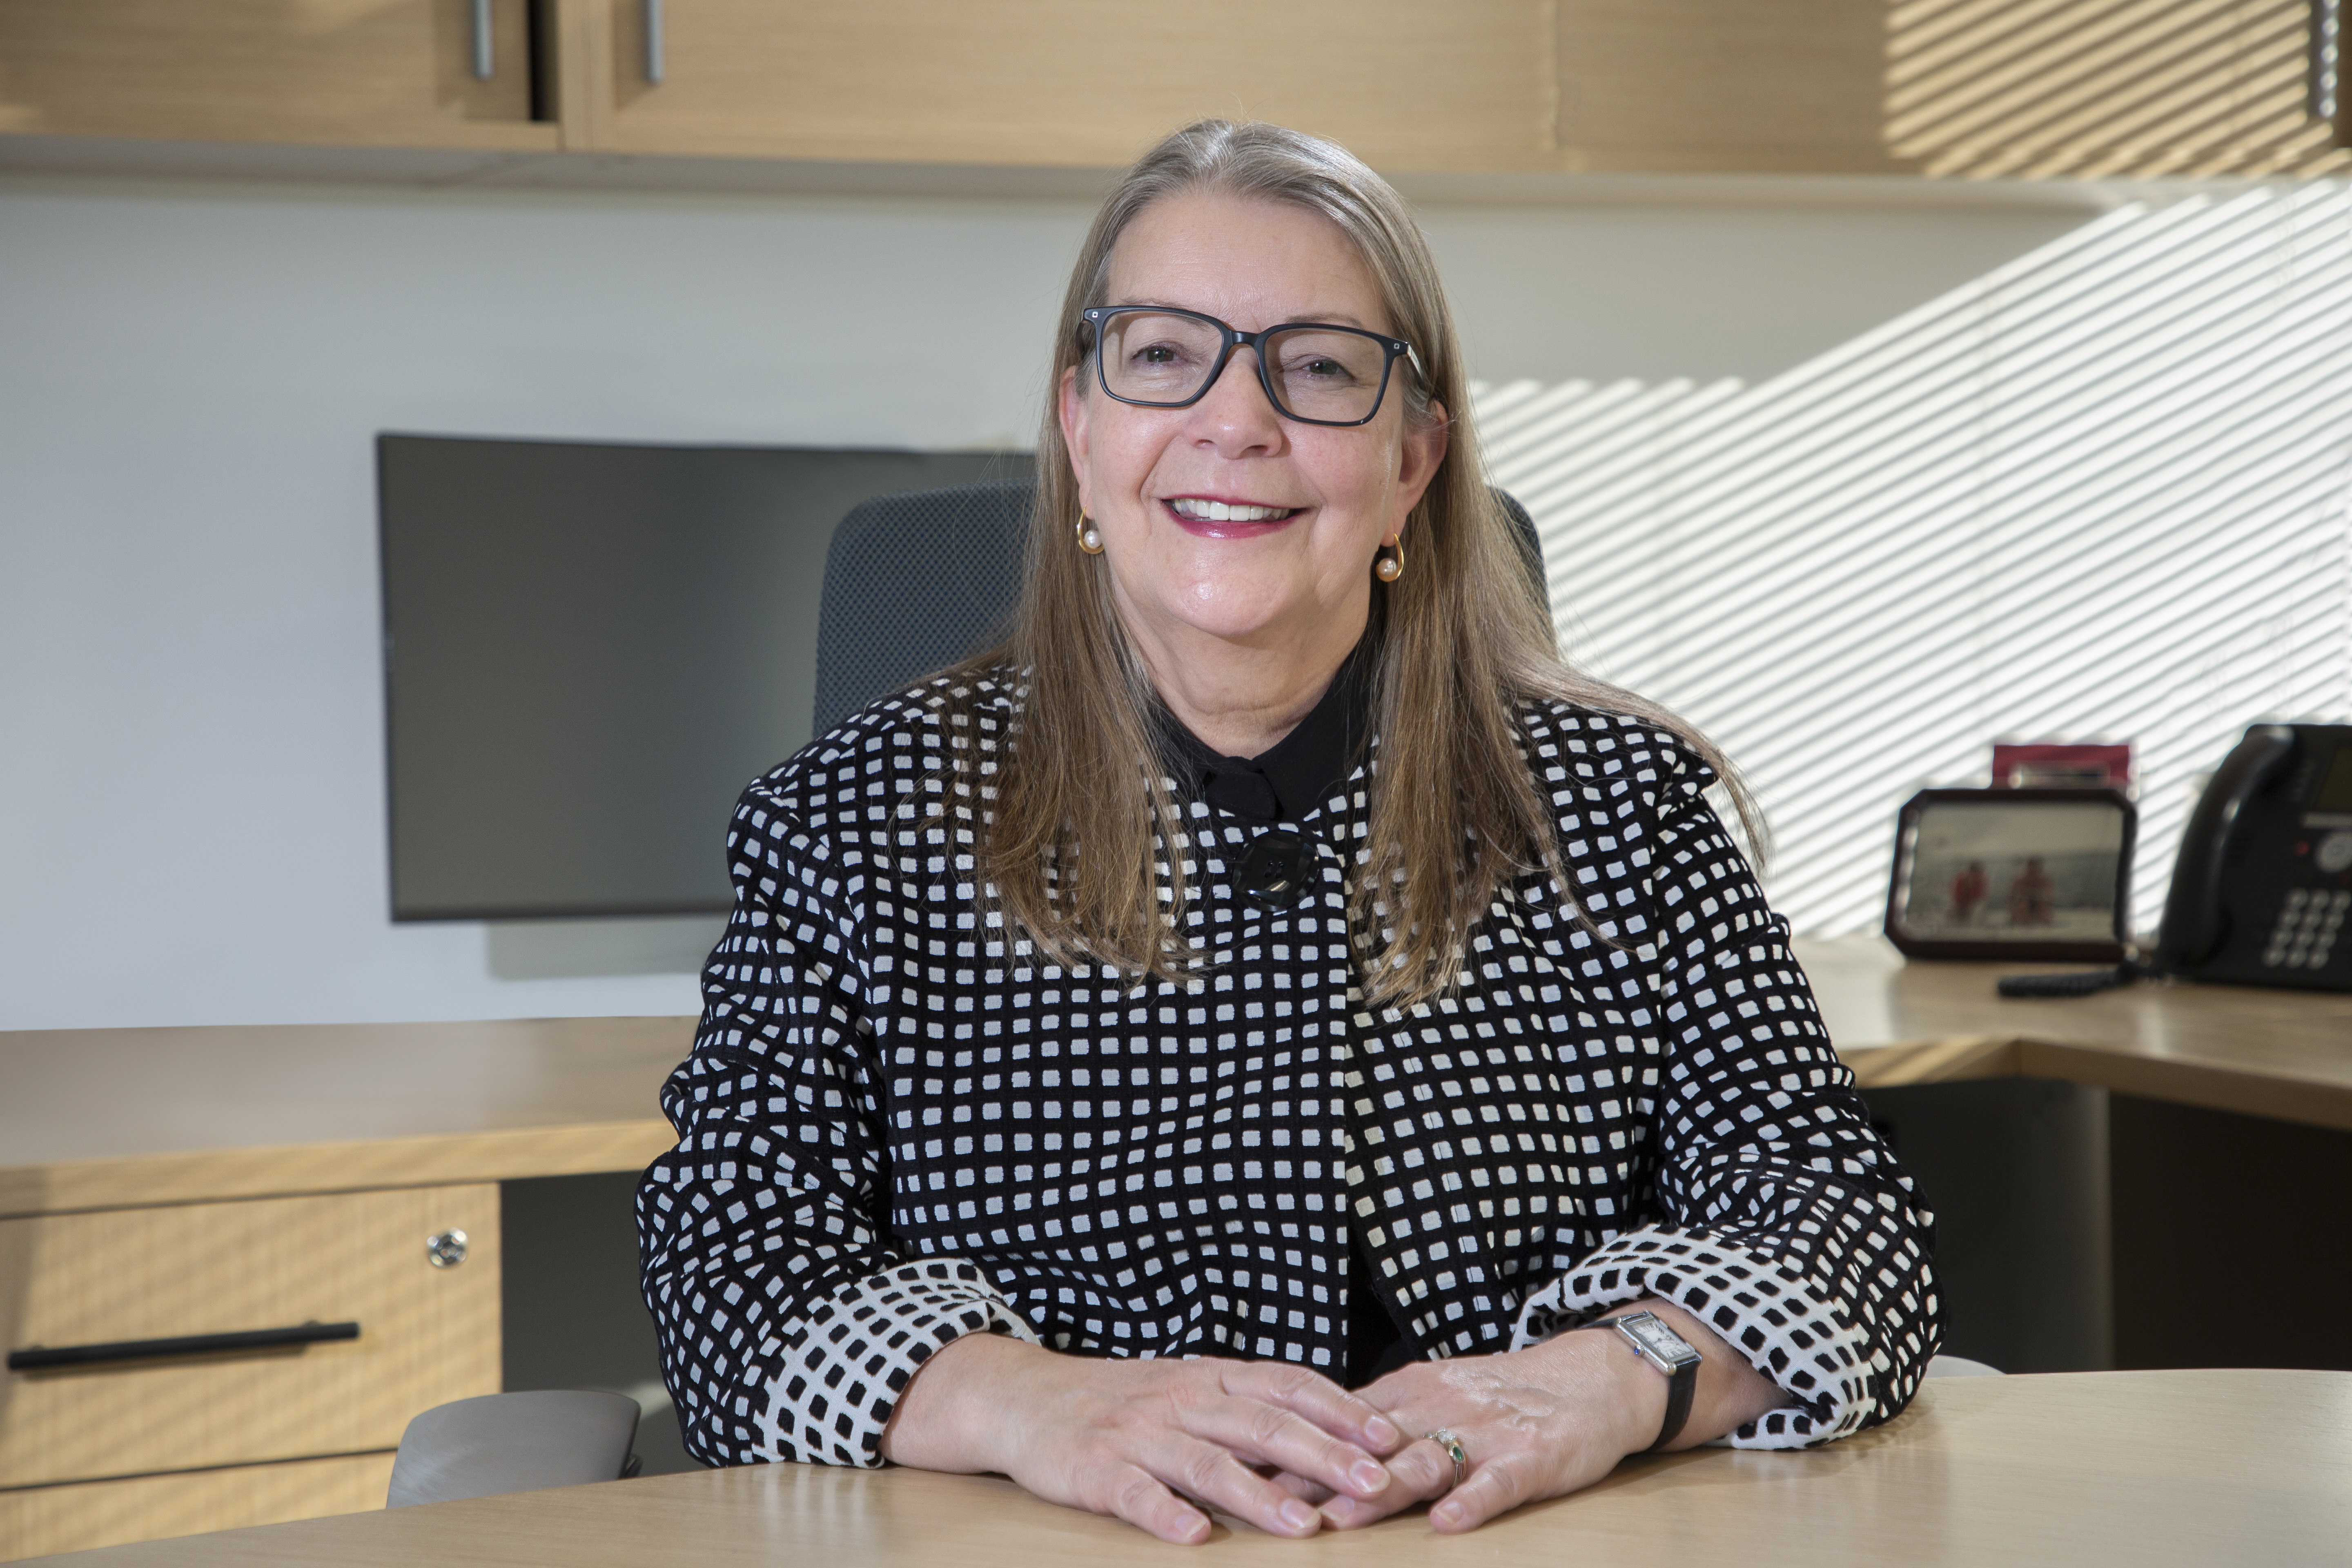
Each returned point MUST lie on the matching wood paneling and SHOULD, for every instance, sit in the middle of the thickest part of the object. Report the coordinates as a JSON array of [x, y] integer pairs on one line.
[[106, 1513], [1971, 89], [2030, 88], [427, 1335], [1679, 85], [386, 72], [1088, 82], [1947, 88], [1967, 89]]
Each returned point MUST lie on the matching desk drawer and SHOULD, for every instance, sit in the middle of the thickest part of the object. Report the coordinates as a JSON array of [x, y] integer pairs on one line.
[[41, 1519], [426, 1334]]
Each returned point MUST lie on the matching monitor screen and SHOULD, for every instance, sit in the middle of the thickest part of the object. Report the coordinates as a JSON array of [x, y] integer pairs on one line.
[[590, 651]]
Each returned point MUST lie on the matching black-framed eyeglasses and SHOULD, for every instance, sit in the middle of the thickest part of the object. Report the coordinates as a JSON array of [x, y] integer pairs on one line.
[[1159, 357]]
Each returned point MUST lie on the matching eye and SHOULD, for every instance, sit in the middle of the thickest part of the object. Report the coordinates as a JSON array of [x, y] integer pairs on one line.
[[1161, 354], [1328, 368]]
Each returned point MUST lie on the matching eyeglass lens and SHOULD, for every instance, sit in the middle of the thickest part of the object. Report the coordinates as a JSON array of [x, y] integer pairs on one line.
[[1315, 373]]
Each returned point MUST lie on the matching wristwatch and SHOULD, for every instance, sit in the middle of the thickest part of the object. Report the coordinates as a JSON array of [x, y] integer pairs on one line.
[[1668, 1352]]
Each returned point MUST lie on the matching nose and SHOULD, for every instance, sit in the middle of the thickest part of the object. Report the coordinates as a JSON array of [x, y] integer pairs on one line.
[[1235, 414]]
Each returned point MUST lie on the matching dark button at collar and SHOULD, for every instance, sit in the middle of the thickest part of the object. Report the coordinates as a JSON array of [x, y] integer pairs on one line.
[[1278, 870]]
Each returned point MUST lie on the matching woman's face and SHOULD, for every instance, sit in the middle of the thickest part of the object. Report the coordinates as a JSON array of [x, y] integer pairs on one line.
[[1294, 573]]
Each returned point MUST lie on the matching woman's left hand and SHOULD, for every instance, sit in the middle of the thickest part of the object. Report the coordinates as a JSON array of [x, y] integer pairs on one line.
[[1540, 1422], [1533, 1423]]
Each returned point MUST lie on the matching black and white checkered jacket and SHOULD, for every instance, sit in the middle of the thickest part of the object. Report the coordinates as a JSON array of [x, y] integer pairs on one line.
[[893, 1130]]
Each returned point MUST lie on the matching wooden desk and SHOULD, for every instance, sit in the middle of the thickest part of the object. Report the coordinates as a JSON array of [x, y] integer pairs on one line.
[[133, 1160], [2148, 1467], [111, 1118], [2073, 1220], [162, 1183], [2281, 1054]]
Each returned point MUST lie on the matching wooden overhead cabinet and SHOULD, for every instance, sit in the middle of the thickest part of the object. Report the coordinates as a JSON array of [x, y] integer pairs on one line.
[[1089, 83], [1942, 88], [407, 73], [1966, 88], [2026, 89]]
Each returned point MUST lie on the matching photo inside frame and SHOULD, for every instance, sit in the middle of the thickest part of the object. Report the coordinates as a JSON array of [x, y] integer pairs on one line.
[[2023, 871]]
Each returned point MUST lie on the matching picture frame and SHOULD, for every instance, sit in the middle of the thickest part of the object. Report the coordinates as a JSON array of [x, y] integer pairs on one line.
[[2013, 874]]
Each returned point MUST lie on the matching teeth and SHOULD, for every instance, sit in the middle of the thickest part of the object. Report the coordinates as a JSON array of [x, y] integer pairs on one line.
[[1219, 511]]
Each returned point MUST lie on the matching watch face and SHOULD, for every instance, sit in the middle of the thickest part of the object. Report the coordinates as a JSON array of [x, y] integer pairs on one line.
[[1657, 1338]]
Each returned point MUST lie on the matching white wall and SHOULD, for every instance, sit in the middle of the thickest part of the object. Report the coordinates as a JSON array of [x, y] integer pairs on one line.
[[192, 808], [2097, 492], [190, 765]]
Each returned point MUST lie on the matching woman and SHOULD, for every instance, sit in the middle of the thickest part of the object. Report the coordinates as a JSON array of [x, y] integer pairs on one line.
[[1271, 974]]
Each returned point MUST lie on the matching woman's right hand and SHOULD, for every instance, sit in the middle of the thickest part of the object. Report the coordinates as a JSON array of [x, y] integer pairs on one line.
[[1125, 1438]]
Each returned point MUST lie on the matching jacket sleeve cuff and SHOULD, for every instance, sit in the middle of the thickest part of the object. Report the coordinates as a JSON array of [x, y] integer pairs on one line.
[[1772, 1313], [846, 1360]]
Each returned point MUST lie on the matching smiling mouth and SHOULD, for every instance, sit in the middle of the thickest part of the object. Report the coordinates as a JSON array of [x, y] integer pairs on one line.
[[1192, 509]]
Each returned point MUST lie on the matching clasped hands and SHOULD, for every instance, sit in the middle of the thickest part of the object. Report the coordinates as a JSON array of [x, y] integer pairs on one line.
[[1159, 1442]]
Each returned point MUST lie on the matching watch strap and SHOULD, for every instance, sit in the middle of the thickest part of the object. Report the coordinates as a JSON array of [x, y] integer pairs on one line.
[[1682, 1385], [1680, 1389]]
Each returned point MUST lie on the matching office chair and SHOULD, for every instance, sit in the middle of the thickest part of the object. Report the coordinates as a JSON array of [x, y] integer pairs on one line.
[[1961, 1366], [916, 581], [514, 1443]]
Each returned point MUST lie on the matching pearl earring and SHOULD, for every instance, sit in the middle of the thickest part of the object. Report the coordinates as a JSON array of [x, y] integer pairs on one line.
[[1089, 536], [1390, 566]]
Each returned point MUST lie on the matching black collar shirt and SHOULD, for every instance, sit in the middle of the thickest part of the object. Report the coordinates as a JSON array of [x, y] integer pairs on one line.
[[897, 1127], [1303, 772]]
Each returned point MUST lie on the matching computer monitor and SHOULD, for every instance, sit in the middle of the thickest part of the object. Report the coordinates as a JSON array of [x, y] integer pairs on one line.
[[591, 649]]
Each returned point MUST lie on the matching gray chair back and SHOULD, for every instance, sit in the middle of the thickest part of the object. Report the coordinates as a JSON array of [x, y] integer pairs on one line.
[[913, 583], [916, 581], [1961, 1366], [513, 1443]]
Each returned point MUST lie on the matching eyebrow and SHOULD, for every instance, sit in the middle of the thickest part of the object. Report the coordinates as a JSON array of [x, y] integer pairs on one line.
[[1328, 318]]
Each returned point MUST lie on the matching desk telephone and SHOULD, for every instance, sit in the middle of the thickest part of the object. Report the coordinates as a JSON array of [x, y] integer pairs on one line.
[[2261, 889]]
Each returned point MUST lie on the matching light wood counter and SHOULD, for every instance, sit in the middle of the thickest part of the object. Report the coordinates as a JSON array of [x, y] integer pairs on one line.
[[2281, 1054], [2148, 1467], [109, 1117], [161, 1183]]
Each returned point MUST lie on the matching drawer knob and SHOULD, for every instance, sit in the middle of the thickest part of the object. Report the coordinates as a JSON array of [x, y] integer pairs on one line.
[[447, 1248]]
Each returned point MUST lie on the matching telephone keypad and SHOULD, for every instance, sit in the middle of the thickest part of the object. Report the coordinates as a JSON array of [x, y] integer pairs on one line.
[[2304, 934]]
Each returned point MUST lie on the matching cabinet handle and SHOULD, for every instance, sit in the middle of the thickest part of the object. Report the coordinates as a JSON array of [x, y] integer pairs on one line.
[[35, 1358], [2324, 81], [653, 41], [485, 60]]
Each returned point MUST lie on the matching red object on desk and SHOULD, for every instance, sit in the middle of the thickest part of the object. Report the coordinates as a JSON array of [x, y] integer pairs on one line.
[[2061, 765]]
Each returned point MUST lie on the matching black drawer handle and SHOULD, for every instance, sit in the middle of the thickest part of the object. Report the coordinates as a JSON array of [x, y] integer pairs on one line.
[[36, 1358]]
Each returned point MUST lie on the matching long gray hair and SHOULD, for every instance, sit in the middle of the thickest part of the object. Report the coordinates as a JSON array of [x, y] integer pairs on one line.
[[1082, 828]]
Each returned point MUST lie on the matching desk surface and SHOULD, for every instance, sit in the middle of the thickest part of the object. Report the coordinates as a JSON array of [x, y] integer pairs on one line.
[[106, 1118], [2282, 1054], [2139, 1467], [102, 1117]]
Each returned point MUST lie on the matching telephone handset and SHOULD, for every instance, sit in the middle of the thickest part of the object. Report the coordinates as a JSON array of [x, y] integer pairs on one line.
[[2261, 889], [2195, 923]]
